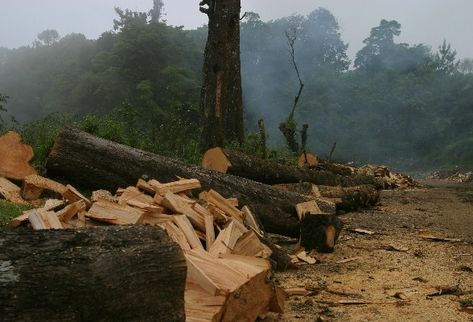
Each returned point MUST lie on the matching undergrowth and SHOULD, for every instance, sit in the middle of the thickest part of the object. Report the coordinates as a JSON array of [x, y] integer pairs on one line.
[[10, 210]]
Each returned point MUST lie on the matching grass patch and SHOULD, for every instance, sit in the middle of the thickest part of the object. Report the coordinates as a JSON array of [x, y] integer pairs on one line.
[[10, 210], [467, 197]]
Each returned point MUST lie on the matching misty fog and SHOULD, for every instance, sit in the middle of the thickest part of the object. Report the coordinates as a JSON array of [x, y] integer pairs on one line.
[[388, 82]]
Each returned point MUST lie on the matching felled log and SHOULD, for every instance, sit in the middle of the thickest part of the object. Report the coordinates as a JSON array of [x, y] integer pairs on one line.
[[104, 274], [98, 163], [352, 198], [346, 198], [15, 157], [270, 172], [311, 161]]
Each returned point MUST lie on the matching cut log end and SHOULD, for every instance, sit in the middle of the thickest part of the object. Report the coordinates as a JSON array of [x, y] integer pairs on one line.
[[320, 232], [308, 160], [15, 157], [215, 159]]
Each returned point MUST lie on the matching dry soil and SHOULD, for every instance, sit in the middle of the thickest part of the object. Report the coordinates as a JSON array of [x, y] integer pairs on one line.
[[394, 270]]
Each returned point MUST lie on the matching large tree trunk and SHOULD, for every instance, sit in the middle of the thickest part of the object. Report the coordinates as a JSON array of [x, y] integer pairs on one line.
[[97, 163], [221, 97], [270, 172], [104, 274]]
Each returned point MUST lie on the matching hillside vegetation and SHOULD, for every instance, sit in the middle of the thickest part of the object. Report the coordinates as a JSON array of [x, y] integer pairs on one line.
[[406, 105]]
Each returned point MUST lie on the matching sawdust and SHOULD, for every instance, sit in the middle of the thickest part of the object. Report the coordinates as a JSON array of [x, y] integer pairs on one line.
[[393, 270]]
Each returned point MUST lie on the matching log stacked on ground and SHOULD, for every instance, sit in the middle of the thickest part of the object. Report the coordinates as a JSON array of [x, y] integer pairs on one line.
[[388, 179], [346, 198], [270, 172], [105, 274], [98, 163]]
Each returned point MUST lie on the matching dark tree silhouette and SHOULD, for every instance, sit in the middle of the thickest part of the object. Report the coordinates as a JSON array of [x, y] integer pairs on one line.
[[221, 98]]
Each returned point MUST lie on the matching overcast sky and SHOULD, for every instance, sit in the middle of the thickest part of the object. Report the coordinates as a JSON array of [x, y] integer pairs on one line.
[[423, 21]]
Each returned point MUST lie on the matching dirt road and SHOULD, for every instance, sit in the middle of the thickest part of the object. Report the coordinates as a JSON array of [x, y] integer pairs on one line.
[[395, 260]]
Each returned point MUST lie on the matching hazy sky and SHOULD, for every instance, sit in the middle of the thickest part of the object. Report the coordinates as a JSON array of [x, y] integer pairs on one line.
[[426, 21]]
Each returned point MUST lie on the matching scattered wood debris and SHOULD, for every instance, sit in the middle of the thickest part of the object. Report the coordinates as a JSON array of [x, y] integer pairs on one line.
[[396, 248], [446, 290], [347, 302], [439, 239], [11, 191], [348, 260], [303, 256], [401, 296], [454, 175], [362, 231], [297, 291], [390, 180]]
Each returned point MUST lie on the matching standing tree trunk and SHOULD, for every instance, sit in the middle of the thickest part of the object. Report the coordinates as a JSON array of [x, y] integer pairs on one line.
[[221, 98]]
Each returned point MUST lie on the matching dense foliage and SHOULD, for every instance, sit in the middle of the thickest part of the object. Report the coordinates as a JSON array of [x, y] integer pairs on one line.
[[406, 105]]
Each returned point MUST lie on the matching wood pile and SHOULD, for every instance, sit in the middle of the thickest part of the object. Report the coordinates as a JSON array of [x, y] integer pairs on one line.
[[311, 170], [390, 180], [345, 198], [227, 262], [327, 183], [271, 172], [454, 175], [97, 163], [383, 177]]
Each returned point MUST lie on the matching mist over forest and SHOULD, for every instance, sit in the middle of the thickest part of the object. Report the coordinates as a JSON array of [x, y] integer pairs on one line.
[[406, 105]]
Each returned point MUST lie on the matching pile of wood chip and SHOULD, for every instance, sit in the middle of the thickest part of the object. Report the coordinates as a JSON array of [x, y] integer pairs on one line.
[[454, 175], [391, 180], [227, 263]]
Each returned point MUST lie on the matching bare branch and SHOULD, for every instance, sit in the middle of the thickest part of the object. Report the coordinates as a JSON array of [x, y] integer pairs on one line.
[[291, 40]]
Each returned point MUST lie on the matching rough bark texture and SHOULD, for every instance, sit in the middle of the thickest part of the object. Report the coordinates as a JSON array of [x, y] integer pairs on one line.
[[221, 97], [104, 274], [348, 198], [100, 164], [271, 172], [317, 226], [352, 198]]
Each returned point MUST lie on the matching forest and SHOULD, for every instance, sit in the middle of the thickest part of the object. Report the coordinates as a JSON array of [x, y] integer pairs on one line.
[[405, 105]]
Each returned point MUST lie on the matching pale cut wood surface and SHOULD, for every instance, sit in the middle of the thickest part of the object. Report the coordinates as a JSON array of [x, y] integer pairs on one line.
[[15, 157]]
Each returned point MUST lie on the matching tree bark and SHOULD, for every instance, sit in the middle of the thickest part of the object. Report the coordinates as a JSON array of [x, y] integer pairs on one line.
[[105, 274], [100, 164], [221, 98], [270, 172], [352, 198], [346, 198]]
